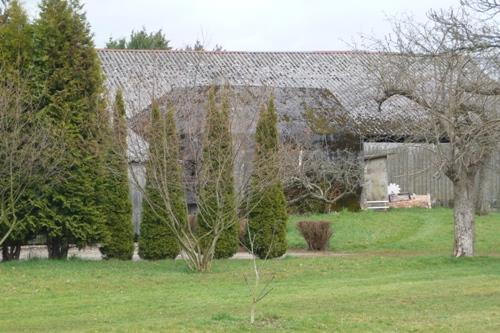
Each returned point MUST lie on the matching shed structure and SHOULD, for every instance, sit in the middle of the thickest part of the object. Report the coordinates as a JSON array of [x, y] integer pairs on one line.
[[335, 84]]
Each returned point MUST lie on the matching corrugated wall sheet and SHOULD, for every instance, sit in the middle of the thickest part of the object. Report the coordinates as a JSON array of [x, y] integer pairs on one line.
[[411, 167]]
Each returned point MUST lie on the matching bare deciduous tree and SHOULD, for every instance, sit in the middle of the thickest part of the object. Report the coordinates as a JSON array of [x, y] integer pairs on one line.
[[314, 171], [28, 156], [452, 84], [476, 25], [197, 252]]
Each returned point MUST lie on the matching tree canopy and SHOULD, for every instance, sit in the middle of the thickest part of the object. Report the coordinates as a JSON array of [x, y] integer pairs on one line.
[[141, 40]]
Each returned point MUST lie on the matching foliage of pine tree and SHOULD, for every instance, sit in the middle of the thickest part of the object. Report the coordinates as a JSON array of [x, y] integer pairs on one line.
[[164, 193], [118, 240], [268, 215], [217, 205], [16, 62], [69, 84], [16, 43], [141, 40]]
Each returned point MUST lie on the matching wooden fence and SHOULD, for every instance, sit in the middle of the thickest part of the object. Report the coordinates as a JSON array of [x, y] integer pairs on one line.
[[411, 167]]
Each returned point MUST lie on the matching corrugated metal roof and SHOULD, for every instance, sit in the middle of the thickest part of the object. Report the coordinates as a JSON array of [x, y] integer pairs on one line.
[[144, 74]]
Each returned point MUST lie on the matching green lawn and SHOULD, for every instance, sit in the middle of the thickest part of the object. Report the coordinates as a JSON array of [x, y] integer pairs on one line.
[[371, 290], [404, 231]]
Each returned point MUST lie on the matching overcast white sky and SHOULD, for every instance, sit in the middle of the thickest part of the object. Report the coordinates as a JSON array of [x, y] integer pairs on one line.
[[252, 25]]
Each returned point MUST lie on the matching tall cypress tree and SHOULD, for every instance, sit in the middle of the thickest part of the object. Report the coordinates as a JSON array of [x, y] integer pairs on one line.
[[118, 240], [267, 216], [69, 84], [217, 204], [164, 194]]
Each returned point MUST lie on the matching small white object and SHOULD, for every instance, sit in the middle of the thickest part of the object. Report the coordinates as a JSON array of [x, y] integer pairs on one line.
[[393, 189]]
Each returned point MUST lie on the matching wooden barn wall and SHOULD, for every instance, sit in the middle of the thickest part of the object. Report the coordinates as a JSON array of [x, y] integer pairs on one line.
[[411, 167]]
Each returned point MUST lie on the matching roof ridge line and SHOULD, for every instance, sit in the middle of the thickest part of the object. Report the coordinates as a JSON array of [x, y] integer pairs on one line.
[[240, 52]]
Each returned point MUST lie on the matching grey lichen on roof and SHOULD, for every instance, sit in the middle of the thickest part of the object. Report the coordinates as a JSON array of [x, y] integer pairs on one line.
[[147, 74]]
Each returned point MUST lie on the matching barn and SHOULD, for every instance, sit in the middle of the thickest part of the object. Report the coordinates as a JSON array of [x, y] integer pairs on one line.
[[335, 85]]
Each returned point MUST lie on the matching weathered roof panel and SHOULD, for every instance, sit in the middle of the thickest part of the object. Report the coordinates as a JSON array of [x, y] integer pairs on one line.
[[147, 74]]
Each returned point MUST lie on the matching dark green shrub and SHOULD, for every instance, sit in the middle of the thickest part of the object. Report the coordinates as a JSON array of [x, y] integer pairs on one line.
[[118, 240], [164, 194], [156, 240], [268, 215]]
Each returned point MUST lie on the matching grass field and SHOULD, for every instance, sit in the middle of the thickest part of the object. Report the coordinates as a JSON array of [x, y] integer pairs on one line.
[[409, 231], [398, 277]]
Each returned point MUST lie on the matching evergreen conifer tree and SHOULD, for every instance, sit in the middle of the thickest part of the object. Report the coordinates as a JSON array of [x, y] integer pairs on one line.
[[68, 89], [217, 204], [164, 193], [118, 240], [267, 216]]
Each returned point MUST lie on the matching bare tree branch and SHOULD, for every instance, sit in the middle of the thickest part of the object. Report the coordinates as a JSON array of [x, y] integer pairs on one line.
[[448, 67]]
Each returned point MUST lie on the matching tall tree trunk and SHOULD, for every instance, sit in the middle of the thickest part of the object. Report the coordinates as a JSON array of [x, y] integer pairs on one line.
[[483, 188], [57, 247], [11, 251], [463, 211]]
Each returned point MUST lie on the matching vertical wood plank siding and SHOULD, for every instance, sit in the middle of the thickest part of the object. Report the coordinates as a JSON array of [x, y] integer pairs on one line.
[[411, 167]]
